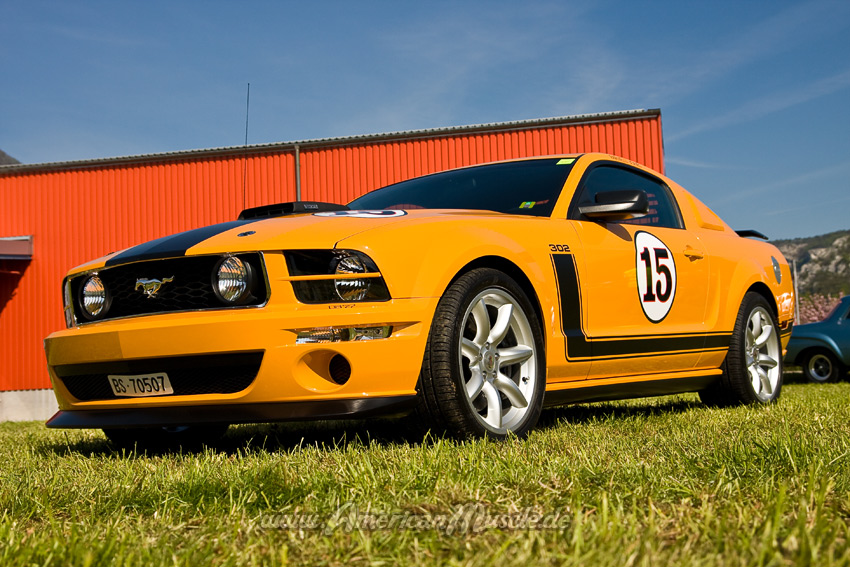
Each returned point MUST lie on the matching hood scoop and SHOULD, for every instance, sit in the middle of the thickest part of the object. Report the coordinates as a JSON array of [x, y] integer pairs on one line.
[[291, 208]]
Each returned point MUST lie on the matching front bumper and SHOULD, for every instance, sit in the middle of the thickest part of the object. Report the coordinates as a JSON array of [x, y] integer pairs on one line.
[[293, 381], [231, 413]]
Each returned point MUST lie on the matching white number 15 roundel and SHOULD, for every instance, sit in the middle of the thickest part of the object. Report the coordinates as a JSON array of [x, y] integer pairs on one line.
[[656, 276]]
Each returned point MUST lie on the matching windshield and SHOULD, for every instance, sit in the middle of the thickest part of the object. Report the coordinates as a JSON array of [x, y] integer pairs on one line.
[[522, 188]]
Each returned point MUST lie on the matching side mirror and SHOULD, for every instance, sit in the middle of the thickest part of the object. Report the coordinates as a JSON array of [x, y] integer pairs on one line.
[[617, 205]]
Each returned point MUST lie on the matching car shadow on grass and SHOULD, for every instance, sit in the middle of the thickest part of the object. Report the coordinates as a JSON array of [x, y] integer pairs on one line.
[[344, 435], [335, 435], [616, 411], [341, 435], [271, 437]]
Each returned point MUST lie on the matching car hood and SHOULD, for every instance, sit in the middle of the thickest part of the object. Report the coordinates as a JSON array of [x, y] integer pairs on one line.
[[304, 232]]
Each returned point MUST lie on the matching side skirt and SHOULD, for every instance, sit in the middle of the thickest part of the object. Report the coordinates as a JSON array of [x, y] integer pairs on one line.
[[619, 388]]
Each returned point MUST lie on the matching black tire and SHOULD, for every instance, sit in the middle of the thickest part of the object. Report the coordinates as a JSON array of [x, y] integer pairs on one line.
[[452, 399], [821, 366], [164, 438], [752, 371]]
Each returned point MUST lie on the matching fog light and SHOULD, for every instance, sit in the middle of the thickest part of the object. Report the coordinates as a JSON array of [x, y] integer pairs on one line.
[[369, 333], [93, 297], [342, 334], [320, 335]]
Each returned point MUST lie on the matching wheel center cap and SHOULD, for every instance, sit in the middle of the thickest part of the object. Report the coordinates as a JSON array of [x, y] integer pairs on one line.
[[489, 360]]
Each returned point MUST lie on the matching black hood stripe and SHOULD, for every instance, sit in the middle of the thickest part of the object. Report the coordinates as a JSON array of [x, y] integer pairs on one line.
[[175, 245]]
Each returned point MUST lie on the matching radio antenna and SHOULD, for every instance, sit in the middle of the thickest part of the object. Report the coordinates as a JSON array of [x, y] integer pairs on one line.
[[245, 156]]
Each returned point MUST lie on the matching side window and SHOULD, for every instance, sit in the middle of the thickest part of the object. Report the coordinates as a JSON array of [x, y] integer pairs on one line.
[[663, 210]]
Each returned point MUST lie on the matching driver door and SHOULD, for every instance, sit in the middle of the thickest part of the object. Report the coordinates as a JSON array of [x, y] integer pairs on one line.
[[643, 281]]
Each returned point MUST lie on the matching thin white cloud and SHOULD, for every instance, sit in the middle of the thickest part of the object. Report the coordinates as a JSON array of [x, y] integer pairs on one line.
[[807, 178], [778, 33], [684, 162], [89, 35], [603, 75], [591, 88], [457, 58], [774, 102], [457, 55], [805, 207]]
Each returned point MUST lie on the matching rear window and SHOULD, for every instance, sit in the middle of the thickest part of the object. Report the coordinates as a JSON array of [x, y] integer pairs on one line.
[[521, 188]]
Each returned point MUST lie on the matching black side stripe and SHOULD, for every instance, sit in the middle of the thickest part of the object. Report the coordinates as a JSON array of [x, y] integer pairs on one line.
[[568, 289], [580, 346], [174, 245], [660, 344]]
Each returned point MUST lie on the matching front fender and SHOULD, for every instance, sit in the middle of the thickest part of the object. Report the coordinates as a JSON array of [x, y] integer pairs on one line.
[[423, 264], [421, 260], [442, 249]]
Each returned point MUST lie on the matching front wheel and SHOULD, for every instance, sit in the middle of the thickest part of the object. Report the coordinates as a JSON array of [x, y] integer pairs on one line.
[[821, 366], [753, 366], [484, 372]]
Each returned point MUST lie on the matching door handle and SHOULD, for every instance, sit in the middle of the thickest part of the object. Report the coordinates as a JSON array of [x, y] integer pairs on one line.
[[693, 253]]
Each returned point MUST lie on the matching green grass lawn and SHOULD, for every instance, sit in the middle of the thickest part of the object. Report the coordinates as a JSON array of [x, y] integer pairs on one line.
[[662, 481]]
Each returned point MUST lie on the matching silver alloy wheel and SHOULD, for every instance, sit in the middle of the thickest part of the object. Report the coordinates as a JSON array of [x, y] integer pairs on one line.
[[762, 354], [820, 367], [498, 360]]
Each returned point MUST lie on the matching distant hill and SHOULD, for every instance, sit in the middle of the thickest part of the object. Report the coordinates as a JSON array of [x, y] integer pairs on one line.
[[6, 159], [823, 262]]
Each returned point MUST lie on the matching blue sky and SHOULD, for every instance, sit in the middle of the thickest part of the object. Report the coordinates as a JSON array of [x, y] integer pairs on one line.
[[755, 96]]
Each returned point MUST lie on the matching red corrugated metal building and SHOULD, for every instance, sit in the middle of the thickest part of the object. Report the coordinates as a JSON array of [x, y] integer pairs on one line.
[[55, 216]]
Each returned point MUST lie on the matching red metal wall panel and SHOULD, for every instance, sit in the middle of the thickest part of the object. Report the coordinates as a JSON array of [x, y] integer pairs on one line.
[[340, 174], [80, 213]]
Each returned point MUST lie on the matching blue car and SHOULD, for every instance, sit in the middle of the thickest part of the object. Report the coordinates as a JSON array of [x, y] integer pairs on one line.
[[823, 348]]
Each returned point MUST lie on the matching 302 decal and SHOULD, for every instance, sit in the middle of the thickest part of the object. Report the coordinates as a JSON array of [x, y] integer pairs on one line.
[[656, 276]]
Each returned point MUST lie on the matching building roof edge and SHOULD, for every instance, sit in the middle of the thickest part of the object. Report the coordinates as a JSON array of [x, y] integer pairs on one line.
[[254, 149]]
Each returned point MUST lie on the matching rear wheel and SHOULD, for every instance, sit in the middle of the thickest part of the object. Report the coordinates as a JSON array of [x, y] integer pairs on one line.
[[186, 436], [753, 366], [484, 370], [821, 366]]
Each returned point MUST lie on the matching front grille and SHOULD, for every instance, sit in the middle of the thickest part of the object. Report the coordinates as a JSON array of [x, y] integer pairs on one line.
[[189, 375], [190, 288]]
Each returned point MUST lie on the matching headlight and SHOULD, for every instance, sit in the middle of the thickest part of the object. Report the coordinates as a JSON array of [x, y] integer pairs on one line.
[[232, 280], [349, 289], [67, 303], [335, 276], [93, 297]]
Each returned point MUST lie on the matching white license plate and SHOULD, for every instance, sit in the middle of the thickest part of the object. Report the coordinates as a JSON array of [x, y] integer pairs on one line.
[[140, 385]]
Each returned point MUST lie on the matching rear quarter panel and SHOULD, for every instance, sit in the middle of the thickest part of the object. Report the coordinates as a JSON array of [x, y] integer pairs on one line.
[[736, 265]]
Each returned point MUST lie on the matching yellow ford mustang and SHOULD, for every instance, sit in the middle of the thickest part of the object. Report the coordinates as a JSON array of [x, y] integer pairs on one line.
[[468, 299]]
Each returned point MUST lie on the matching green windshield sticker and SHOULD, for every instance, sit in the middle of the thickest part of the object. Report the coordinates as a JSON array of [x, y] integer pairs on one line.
[[566, 161], [527, 205]]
